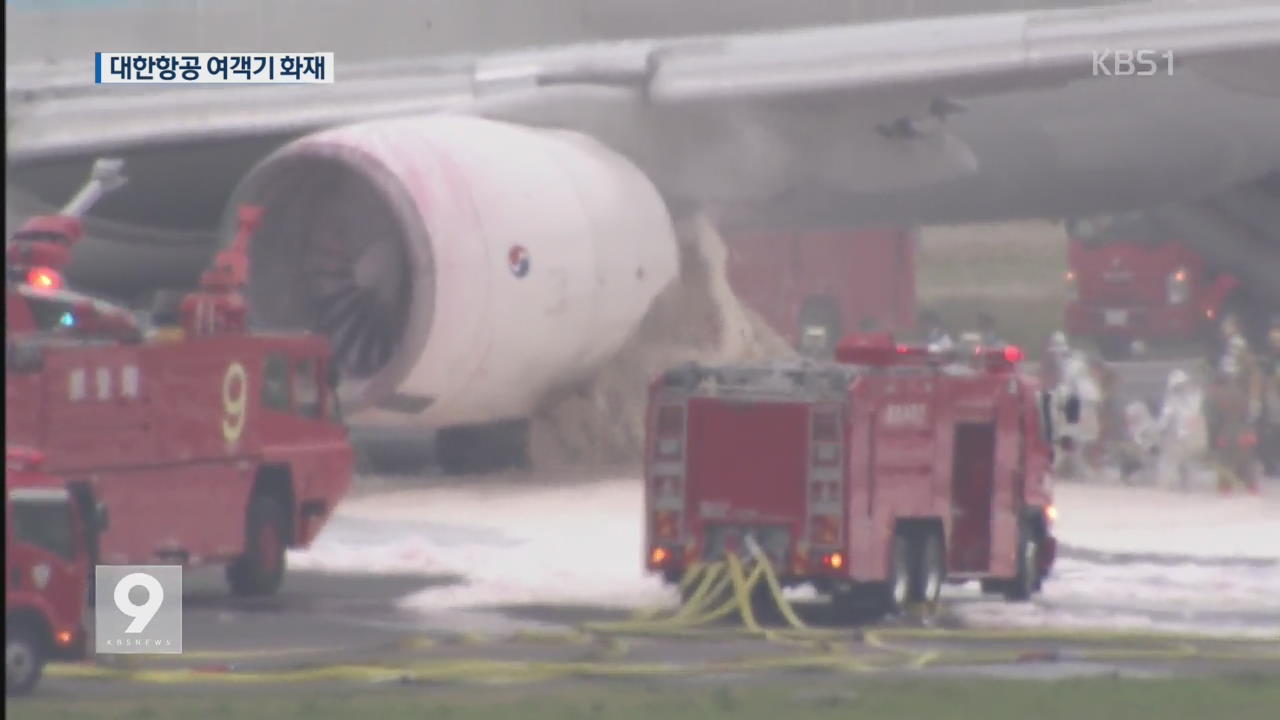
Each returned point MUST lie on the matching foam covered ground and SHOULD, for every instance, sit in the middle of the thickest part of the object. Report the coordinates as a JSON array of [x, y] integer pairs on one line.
[[524, 542], [1145, 520]]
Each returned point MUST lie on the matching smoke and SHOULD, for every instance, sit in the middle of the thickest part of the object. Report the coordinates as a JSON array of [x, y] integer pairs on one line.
[[600, 422]]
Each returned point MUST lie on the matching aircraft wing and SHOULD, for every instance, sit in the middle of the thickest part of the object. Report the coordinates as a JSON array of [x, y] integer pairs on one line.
[[963, 55], [891, 71]]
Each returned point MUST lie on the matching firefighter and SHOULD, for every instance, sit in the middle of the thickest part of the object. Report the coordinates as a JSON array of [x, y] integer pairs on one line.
[[1234, 408], [1054, 355], [936, 336], [1269, 417], [1141, 443], [1076, 385], [1179, 432], [1112, 423]]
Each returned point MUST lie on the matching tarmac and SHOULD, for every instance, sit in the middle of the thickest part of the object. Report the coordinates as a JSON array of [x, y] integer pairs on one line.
[[335, 628]]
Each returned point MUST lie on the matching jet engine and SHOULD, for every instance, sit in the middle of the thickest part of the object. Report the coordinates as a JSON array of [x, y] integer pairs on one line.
[[461, 267]]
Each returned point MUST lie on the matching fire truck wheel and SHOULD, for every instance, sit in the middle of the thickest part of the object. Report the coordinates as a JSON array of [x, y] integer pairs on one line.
[[931, 568], [763, 605], [898, 588], [1024, 583], [24, 658], [260, 570]]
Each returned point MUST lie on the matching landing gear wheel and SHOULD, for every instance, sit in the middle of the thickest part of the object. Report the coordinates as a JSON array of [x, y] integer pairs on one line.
[[1027, 579], [898, 588], [930, 570], [24, 658], [260, 570]]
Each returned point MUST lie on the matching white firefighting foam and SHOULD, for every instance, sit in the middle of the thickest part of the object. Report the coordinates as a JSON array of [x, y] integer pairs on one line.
[[525, 541], [1149, 521], [515, 542]]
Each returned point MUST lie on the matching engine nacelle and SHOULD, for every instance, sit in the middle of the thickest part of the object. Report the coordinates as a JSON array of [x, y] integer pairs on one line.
[[461, 266]]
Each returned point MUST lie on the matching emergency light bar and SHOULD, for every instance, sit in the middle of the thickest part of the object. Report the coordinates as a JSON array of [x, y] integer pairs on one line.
[[43, 278], [1003, 359], [868, 349], [879, 349]]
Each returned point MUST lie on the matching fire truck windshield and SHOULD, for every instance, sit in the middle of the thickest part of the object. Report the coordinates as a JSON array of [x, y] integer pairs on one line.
[[1123, 228], [50, 313], [43, 518]]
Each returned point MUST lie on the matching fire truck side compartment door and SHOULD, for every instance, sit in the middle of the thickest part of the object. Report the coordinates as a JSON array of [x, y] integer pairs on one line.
[[1006, 505], [972, 477]]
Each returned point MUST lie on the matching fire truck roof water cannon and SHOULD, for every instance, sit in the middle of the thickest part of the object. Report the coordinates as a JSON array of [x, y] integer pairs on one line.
[[876, 478], [211, 444], [34, 259]]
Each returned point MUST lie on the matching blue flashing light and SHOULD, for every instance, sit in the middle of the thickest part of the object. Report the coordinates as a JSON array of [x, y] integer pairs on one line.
[[67, 320]]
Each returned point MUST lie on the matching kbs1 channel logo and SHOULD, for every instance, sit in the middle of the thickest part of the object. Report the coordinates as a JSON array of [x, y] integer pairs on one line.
[[213, 68], [138, 609], [1132, 63]]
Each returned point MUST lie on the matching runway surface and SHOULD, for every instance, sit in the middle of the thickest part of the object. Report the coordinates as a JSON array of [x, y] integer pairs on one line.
[[458, 582]]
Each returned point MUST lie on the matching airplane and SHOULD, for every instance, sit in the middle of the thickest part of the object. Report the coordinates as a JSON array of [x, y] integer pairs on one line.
[[473, 230]]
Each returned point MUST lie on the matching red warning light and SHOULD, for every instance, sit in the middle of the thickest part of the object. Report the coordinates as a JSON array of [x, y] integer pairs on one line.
[[43, 278], [1012, 354]]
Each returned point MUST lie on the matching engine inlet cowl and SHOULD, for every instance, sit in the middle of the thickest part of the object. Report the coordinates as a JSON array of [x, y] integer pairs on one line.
[[461, 267]]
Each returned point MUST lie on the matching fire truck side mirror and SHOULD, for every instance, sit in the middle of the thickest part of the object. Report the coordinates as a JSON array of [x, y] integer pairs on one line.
[[101, 517]]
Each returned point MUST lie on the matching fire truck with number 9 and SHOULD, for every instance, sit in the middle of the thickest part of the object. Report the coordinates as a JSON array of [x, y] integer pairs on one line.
[[876, 478], [208, 443]]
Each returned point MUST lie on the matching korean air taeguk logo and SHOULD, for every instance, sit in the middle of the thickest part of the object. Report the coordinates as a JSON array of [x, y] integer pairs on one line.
[[518, 260]]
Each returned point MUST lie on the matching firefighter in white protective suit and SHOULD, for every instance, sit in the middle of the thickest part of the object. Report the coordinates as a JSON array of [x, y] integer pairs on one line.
[[1180, 433], [1141, 445], [1075, 386]]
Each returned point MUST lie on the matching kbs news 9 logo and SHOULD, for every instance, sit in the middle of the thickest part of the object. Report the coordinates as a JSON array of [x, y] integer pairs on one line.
[[138, 609]]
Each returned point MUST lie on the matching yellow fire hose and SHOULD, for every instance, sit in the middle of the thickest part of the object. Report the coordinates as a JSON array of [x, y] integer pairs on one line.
[[714, 592]]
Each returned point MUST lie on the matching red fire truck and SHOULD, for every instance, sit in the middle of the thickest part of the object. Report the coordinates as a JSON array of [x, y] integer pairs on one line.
[[877, 477], [51, 539], [1132, 287], [832, 280], [208, 443]]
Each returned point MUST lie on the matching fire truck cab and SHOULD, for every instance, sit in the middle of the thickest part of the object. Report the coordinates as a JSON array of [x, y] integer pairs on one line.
[[877, 477], [1132, 287], [211, 444], [51, 541]]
